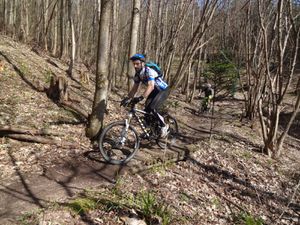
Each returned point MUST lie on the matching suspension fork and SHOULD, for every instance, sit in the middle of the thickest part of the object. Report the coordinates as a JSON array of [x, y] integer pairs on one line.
[[127, 121], [125, 130]]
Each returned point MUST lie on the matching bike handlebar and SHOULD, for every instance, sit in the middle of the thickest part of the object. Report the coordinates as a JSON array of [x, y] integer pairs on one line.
[[129, 103]]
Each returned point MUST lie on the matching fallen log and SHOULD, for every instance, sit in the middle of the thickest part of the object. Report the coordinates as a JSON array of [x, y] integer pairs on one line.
[[38, 139], [17, 130]]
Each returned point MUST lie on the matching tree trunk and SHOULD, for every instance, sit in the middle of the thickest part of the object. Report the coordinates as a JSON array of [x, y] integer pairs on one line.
[[50, 26], [45, 20], [80, 18], [98, 5], [285, 32], [197, 76], [18, 21], [73, 43], [14, 21], [158, 31], [67, 36], [100, 98], [187, 85], [147, 29], [55, 30], [26, 21], [114, 47], [11, 13], [133, 39], [61, 51], [4, 12]]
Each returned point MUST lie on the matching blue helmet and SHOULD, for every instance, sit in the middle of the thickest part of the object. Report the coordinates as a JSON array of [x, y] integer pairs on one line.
[[137, 56]]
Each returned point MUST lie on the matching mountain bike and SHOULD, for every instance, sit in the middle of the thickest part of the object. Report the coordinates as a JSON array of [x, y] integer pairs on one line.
[[120, 140], [205, 106]]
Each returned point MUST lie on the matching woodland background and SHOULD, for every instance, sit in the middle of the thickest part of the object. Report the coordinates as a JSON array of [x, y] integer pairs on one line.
[[248, 50], [250, 44]]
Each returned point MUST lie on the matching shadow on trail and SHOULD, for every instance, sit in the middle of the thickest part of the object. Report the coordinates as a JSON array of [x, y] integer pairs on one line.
[[28, 192], [67, 174], [21, 193], [59, 182]]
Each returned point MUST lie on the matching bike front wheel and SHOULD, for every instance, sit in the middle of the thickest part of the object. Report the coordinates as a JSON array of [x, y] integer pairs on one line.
[[118, 144]]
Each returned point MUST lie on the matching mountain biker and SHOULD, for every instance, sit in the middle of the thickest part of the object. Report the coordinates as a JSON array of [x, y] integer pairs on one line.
[[208, 95], [156, 92]]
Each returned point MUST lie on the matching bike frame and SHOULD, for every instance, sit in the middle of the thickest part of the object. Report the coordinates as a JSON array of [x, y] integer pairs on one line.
[[133, 113]]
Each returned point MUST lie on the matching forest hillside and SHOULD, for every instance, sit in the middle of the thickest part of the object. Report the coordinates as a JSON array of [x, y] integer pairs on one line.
[[50, 173], [150, 112]]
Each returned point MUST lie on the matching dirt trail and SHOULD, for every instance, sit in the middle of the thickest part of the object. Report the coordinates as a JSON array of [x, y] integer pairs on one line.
[[29, 193], [62, 180]]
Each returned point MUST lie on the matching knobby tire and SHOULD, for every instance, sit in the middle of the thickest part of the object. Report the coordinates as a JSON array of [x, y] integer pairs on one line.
[[109, 137]]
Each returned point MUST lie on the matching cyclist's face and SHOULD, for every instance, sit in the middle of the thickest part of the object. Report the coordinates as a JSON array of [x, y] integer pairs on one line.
[[138, 65]]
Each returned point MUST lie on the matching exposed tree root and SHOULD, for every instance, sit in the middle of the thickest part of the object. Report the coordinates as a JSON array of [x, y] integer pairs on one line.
[[75, 108]]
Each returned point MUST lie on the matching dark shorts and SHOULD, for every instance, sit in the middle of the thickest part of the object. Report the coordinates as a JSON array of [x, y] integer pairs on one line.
[[156, 99]]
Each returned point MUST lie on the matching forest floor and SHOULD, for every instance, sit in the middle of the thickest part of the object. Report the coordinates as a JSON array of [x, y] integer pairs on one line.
[[224, 179]]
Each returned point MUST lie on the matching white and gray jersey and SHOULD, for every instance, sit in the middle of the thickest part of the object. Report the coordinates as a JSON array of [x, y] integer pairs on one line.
[[148, 74]]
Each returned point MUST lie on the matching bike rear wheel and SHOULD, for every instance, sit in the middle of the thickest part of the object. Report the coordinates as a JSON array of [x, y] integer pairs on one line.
[[173, 132], [117, 144]]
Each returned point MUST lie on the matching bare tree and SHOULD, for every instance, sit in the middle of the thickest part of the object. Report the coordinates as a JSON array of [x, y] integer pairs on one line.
[[45, 19], [197, 41], [158, 38], [4, 13], [278, 66], [61, 51], [25, 21], [73, 42], [179, 18], [114, 45], [147, 29], [100, 98], [133, 38], [55, 30]]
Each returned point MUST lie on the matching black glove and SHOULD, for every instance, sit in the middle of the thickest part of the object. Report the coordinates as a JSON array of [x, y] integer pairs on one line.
[[136, 100], [125, 101]]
